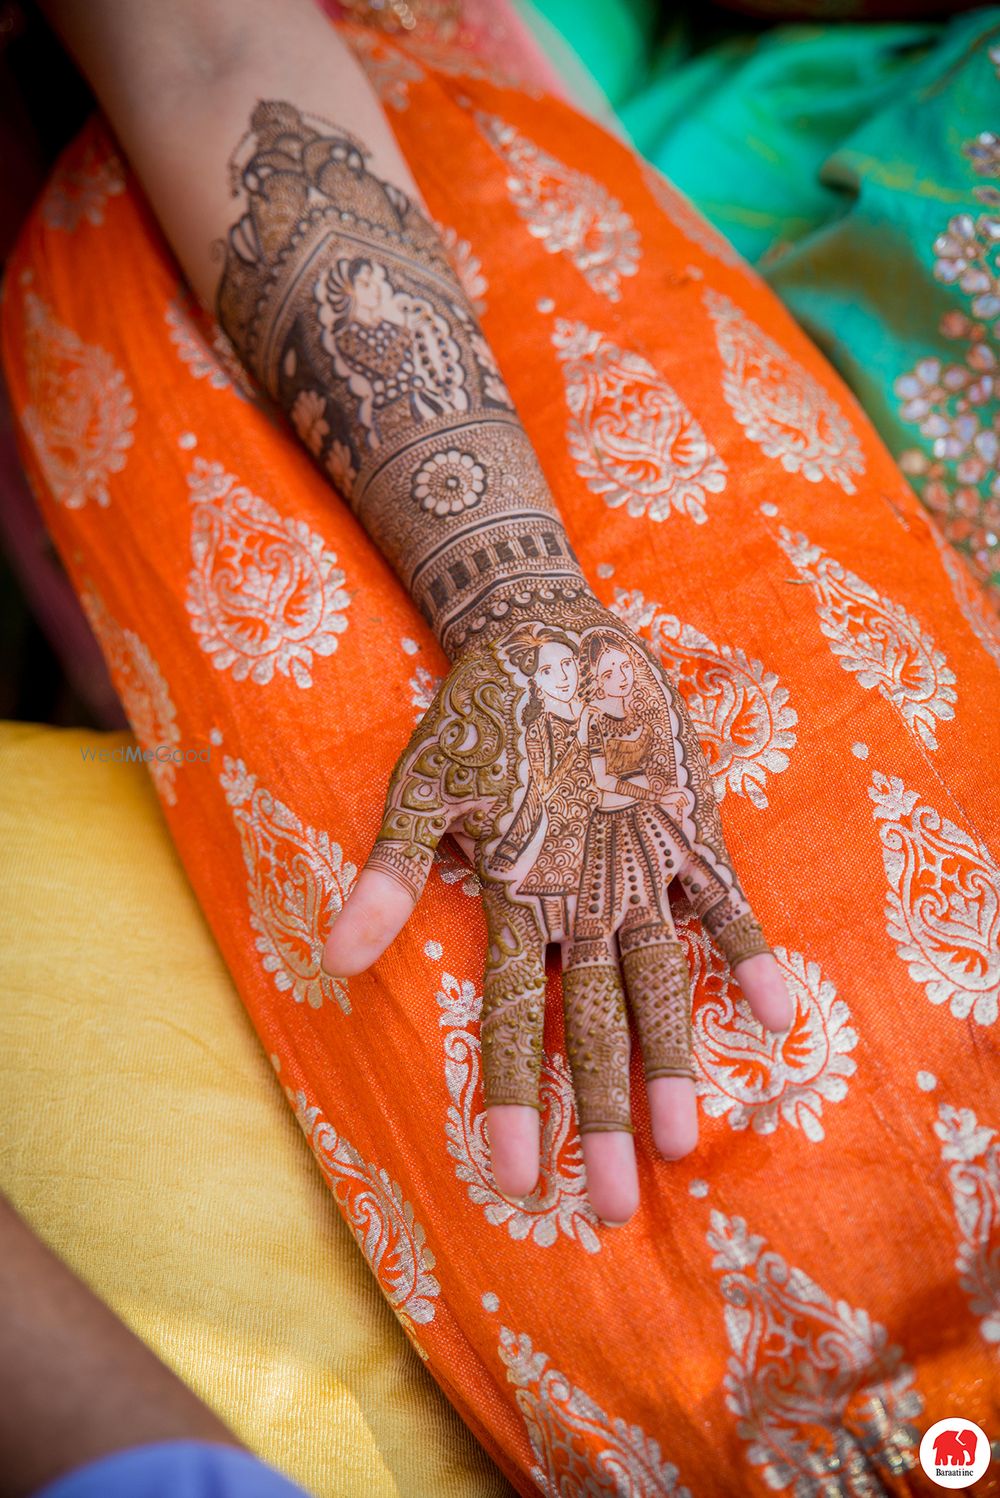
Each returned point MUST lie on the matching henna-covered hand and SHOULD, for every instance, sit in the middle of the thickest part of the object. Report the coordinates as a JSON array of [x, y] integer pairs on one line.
[[556, 752], [560, 756]]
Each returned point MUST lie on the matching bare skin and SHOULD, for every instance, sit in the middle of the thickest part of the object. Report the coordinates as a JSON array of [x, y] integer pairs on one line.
[[337, 293], [75, 1383]]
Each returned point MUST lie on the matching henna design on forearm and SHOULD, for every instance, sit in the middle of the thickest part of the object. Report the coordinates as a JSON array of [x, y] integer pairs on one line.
[[338, 293]]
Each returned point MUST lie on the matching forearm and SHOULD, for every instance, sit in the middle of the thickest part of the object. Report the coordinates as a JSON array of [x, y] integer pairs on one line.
[[75, 1383], [335, 289]]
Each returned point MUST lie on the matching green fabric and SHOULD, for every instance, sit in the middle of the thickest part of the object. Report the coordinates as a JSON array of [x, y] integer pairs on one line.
[[852, 163], [612, 41], [902, 289], [744, 127]]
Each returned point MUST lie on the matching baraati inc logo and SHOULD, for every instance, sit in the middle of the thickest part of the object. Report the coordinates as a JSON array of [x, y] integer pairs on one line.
[[954, 1453]]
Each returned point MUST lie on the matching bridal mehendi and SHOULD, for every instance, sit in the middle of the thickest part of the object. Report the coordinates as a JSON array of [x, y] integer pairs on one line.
[[338, 292], [557, 749]]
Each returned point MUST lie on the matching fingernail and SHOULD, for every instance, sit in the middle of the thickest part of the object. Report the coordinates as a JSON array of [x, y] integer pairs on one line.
[[606, 1222]]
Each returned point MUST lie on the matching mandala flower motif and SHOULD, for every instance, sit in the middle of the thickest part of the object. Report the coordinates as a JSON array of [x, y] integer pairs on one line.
[[309, 420], [449, 482]]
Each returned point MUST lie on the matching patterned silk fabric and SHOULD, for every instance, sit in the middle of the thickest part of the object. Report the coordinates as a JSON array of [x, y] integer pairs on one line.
[[796, 1301], [858, 169]]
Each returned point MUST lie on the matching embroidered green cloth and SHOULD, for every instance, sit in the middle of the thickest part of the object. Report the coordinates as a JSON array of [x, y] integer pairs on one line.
[[857, 165]]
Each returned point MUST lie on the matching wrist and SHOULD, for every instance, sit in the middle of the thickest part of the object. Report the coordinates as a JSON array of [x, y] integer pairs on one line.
[[464, 514], [563, 601]]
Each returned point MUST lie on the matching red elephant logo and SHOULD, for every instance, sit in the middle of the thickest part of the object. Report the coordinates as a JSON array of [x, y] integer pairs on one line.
[[955, 1448]]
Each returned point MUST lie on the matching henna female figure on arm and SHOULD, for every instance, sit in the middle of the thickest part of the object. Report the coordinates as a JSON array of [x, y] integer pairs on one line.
[[557, 752]]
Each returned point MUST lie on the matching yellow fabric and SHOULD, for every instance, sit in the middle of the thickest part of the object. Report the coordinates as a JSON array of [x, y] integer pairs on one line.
[[145, 1137]]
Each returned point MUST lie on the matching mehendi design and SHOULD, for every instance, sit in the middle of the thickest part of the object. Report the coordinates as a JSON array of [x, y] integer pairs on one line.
[[659, 983], [340, 295], [559, 751], [597, 1044]]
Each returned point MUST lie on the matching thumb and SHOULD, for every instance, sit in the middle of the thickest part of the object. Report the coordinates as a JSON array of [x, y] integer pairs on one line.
[[393, 879], [375, 912]]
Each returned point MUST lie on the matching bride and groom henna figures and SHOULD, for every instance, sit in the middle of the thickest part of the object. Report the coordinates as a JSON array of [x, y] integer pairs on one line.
[[563, 760]]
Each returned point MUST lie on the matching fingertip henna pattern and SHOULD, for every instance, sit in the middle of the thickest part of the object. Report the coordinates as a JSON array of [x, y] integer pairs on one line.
[[513, 1019], [408, 864], [659, 985], [740, 938], [597, 1044]]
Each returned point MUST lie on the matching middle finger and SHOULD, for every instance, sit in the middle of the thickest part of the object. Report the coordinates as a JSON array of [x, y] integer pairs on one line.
[[598, 1047]]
